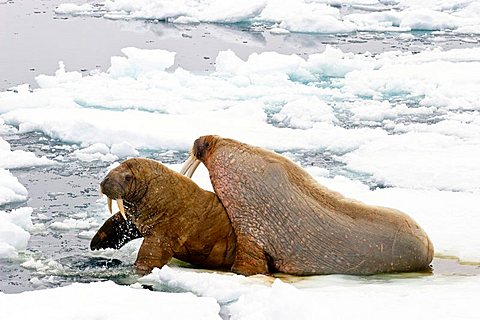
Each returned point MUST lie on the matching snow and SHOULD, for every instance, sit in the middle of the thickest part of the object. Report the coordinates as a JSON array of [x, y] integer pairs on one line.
[[307, 298], [106, 300], [320, 16], [387, 158]]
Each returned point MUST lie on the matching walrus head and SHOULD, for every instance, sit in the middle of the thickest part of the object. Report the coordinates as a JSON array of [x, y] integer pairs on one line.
[[200, 150], [120, 184]]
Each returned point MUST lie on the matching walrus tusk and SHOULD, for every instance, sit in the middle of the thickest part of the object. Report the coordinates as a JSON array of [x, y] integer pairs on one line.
[[190, 166], [121, 208], [109, 202], [187, 164]]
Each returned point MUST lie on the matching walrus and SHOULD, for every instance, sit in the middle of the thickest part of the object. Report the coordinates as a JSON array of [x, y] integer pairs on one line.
[[175, 217], [284, 220]]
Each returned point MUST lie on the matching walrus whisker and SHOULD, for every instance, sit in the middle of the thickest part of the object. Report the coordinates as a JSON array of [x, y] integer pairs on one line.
[[190, 166], [121, 208], [109, 203]]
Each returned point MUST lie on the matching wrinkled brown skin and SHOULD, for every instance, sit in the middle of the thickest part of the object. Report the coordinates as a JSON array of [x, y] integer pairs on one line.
[[175, 217], [286, 221]]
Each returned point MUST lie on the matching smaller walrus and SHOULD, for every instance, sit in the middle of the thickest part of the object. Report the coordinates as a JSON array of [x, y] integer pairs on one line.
[[285, 220], [175, 217]]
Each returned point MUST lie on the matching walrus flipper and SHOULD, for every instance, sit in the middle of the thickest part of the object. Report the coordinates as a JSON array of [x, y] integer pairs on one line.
[[154, 253], [114, 233], [250, 258]]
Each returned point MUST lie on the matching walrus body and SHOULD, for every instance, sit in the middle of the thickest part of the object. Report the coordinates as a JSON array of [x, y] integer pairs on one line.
[[175, 217], [286, 221]]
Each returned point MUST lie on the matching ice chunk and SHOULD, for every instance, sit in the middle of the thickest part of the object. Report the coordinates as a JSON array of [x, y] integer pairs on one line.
[[223, 287], [14, 227], [10, 189], [71, 223], [304, 113], [97, 151], [123, 149], [71, 8], [140, 62], [61, 77], [321, 16]]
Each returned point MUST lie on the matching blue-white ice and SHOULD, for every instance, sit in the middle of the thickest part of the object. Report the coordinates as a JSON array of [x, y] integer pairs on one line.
[[401, 129], [15, 225], [319, 16]]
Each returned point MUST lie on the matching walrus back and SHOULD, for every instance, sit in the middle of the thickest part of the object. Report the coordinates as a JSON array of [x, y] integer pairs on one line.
[[306, 228]]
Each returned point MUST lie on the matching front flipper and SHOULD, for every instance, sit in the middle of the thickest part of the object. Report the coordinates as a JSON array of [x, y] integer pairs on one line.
[[250, 258], [154, 253], [114, 233]]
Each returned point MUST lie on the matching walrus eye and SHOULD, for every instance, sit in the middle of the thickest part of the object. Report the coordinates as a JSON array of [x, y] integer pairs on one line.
[[207, 144], [128, 177]]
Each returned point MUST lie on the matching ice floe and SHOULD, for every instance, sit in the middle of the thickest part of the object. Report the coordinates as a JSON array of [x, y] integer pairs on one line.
[[320, 16], [10, 189], [100, 151], [106, 300], [366, 109], [307, 298]]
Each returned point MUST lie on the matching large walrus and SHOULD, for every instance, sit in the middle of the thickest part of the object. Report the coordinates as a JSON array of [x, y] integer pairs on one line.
[[285, 220], [175, 217]]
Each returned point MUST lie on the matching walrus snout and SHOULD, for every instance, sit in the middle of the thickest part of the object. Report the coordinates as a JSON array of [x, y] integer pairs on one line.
[[104, 184], [111, 187], [114, 186]]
